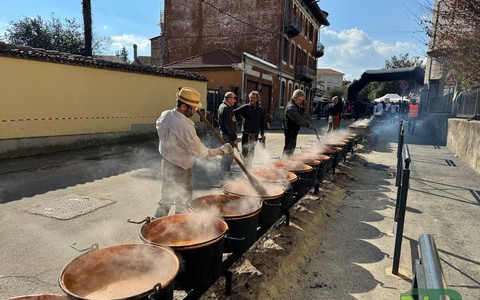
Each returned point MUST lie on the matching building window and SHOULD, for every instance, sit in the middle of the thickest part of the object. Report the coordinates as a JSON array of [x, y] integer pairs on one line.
[[285, 49], [290, 90], [282, 93], [292, 54]]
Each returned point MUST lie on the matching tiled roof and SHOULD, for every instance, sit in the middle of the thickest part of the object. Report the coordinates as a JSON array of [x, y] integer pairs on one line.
[[214, 58], [110, 58], [53, 56], [329, 72], [142, 61]]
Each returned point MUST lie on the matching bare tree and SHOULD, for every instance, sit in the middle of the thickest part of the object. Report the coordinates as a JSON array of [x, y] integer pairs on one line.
[[454, 32], [87, 26]]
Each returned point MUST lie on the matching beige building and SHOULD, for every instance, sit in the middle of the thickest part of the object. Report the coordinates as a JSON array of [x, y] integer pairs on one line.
[[326, 79]]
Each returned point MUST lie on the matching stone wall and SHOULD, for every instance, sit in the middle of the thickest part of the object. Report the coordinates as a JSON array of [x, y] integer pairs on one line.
[[437, 123], [463, 140]]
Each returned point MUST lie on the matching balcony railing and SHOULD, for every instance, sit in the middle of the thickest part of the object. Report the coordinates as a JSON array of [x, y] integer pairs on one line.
[[293, 25], [319, 51], [304, 73]]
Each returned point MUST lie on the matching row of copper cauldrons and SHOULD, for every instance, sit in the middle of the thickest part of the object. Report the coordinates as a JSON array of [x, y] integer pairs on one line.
[[185, 251]]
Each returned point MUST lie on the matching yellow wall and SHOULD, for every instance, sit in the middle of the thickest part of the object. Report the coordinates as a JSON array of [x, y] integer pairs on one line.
[[84, 100], [223, 78]]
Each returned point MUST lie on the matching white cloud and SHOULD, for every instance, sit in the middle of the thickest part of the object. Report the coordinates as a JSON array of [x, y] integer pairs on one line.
[[127, 40], [3, 29], [352, 51]]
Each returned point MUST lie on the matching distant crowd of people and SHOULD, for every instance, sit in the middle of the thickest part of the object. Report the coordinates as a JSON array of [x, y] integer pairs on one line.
[[338, 109]]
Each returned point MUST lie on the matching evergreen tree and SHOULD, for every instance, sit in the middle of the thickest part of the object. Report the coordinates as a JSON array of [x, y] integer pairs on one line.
[[122, 54]]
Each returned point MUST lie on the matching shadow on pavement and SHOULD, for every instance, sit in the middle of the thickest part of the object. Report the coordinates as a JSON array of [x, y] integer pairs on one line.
[[27, 177]]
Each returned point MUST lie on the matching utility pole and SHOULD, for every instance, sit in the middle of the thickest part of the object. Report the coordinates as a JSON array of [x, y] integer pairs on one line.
[[431, 57]]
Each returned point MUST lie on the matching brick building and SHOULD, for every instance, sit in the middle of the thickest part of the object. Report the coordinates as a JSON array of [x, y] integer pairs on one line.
[[280, 36]]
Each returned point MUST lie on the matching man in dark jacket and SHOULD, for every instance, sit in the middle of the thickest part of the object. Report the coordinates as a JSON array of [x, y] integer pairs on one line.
[[294, 119], [228, 130], [252, 117], [334, 110]]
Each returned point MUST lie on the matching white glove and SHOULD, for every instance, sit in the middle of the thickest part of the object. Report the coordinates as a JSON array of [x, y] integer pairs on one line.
[[227, 148]]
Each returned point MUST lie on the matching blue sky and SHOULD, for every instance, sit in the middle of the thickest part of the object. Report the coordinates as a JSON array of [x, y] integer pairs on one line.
[[362, 35]]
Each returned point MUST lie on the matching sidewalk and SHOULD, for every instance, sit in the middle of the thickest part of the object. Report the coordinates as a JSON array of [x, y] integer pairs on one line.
[[443, 200]]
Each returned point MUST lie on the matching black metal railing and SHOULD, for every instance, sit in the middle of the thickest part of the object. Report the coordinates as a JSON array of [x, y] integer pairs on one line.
[[303, 72], [293, 25], [401, 138], [401, 204], [319, 51]]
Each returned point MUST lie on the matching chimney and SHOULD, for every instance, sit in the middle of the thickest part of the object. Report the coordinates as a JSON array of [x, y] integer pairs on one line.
[[134, 52]]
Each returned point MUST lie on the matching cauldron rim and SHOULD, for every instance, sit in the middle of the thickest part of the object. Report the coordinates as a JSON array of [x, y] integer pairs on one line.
[[265, 198], [293, 176], [176, 263], [40, 297], [307, 168], [229, 216], [220, 222]]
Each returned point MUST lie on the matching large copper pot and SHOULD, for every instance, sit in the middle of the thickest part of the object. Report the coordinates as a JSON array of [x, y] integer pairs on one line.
[[314, 163], [40, 297], [361, 130], [271, 198], [326, 160], [304, 173], [274, 175], [128, 271], [341, 145], [285, 178], [197, 238], [335, 153], [240, 213]]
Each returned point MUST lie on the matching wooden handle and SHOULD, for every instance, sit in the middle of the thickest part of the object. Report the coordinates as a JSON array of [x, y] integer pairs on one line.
[[253, 181], [316, 133]]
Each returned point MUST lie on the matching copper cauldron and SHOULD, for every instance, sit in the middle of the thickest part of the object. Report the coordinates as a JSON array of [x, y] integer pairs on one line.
[[128, 271], [197, 238], [40, 297], [271, 199], [360, 130], [285, 178], [304, 173], [319, 153], [240, 213], [274, 175]]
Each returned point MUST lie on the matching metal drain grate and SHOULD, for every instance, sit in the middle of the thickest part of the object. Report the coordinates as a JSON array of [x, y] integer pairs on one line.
[[67, 207]]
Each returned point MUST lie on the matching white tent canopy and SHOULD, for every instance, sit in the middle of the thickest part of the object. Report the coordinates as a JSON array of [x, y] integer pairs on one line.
[[389, 97]]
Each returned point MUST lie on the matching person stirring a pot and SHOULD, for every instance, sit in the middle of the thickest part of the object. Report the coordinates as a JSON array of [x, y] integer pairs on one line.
[[179, 145], [294, 119]]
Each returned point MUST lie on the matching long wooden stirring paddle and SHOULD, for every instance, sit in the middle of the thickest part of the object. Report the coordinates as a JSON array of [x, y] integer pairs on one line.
[[253, 181]]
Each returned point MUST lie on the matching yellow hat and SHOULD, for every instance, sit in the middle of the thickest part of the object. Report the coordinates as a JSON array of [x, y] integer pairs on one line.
[[189, 96]]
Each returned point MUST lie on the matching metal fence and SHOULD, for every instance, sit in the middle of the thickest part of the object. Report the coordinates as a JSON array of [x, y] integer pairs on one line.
[[466, 105], [469, 104]]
